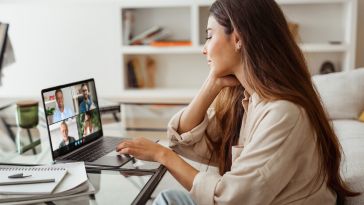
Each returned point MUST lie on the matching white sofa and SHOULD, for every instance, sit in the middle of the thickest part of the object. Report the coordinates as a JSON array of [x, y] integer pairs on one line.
[[343, 97]]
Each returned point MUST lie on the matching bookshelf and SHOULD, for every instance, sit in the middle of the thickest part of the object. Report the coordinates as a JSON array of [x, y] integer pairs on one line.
[[327, 30]]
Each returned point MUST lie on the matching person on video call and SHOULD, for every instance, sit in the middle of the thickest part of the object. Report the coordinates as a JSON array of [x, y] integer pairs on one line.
[[87, 124], [87, 103], [62, 112], [66, 140]]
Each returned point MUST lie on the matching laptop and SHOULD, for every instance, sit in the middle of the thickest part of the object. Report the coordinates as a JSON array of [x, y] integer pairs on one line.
[[74, 126]]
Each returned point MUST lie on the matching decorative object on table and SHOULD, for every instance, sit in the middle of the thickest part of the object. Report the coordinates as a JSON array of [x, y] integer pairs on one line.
[[6, 49], [27, 113], [327, 67], [294, 29]]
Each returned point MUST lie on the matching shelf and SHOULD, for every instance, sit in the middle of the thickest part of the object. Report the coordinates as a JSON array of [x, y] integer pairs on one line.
[[307, 47], [282, 2], [158, 95], [160, 50], [322, 47], [181, 70], [154, 3]]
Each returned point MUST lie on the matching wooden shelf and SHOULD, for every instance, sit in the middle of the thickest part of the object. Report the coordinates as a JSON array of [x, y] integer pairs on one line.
[[157, 95], [322, 47], [160, 50]]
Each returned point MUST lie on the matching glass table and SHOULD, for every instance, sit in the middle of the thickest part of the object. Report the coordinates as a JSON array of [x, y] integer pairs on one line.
[[121, 186]]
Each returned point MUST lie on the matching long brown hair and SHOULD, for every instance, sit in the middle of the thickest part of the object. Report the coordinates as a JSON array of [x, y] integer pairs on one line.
[[274, 68]]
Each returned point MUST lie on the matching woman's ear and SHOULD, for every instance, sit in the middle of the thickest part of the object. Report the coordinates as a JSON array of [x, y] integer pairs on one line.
[[236, 41]]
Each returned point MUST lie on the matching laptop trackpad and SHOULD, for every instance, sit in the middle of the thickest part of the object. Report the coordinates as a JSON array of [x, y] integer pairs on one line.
[[115, 160]]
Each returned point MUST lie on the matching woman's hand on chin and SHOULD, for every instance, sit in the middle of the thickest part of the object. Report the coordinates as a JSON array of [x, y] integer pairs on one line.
[[223, 81], [143, 149], [228, 81]]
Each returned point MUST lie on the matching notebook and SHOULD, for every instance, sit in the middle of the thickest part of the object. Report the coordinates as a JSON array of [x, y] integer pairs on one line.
[[74, 184], [30, 184]]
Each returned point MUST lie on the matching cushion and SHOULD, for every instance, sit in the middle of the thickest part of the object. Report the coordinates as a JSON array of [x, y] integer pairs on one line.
[[351, 136], [342, 93]]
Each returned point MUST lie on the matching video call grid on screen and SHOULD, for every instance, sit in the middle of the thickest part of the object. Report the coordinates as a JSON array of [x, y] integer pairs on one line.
[[80, 117]]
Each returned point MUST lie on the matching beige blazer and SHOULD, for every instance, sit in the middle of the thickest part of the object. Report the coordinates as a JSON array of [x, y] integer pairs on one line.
[[274, 162]]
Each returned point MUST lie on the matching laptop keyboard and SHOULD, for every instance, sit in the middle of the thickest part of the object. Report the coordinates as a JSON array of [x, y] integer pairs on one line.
[[96, 150]]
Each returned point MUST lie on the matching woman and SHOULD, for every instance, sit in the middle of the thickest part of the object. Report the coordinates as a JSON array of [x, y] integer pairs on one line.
[[87, 124], [267, 131]]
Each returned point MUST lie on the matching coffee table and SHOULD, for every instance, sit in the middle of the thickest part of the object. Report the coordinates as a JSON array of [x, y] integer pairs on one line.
[[31, 147]]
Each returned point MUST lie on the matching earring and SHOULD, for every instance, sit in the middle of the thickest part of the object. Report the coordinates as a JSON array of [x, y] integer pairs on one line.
[[237, 47]]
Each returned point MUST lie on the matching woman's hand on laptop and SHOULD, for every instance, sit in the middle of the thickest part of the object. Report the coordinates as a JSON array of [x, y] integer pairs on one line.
[[143, 149], [148, 150]]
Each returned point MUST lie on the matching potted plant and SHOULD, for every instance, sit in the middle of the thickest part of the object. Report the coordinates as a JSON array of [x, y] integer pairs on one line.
[[49, 113]]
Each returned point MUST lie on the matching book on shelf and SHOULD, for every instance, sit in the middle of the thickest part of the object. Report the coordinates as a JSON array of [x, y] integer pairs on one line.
[[74, 183], [164, 34], [131, 76], [3, 39], [128, 23], [135, 73], [151, 71], [168, 43], [147, 34], [141, 73]]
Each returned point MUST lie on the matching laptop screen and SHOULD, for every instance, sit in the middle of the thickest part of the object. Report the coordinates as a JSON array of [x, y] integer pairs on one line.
[[73, 116]]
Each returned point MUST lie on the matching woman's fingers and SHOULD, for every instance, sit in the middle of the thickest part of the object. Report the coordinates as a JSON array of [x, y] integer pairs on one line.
[[140, 148], [126, 150], [123, 145]]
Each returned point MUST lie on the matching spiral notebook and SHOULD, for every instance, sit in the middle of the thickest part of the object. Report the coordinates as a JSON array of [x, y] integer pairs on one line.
[[74, 184], [39, 179]]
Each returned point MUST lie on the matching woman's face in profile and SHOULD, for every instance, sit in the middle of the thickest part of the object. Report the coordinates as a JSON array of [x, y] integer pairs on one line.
[[219, 49]]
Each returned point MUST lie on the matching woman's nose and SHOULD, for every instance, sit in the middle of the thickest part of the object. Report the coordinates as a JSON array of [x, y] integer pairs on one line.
[[204, 50]]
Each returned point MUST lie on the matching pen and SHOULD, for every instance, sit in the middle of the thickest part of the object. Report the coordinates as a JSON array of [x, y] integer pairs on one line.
[[17, 176], [156, 141]]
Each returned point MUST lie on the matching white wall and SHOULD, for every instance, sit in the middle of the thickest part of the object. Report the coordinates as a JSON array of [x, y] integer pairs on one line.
[[360, 35], [60, 41]]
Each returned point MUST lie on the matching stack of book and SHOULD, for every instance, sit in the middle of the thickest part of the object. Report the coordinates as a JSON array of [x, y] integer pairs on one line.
[[25, 185], [153, 36], [141, 75]]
